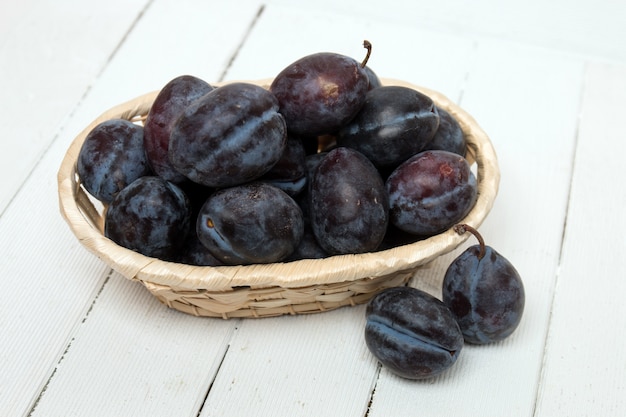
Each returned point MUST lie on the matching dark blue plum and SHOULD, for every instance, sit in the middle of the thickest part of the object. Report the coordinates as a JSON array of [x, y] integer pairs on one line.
[[485, 293], [321, 92], [412, 333], [449, 135], [431, 192], [193, 252], [374, 80], [250, 223], [111, 157], [394, 124], [230, 136], [150, 216], [289, 173], [348, 204], [308, 248], [311, 163], [169, 104]]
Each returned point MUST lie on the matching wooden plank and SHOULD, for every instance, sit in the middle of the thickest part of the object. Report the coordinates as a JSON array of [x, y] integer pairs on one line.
[[132, 356], [50, 53], [305, 365], [176, 38], [51, 280], [42, 278], [511, 90], [585, 361], [48, 284], [560, 25], [402, 51]]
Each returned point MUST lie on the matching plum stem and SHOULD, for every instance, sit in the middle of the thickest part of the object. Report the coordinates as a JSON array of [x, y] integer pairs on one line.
[[462, 228], [367, 45]]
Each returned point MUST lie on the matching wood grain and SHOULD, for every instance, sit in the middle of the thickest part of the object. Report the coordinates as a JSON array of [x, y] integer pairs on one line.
[[50, 284], [585, 362], [47, 63]]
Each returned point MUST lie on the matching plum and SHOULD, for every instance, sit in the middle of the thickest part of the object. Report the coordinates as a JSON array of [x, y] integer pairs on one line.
[[484, 291], [348, 205], [394, 124], [229, 136], [111, 157], [150, 216], [250, 223], [431, 192], [167, 107], [449, 135], [321, 92], [412, 333]]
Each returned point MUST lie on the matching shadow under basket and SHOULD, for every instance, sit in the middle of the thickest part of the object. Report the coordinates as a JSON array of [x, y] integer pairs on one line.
[[263, 290]]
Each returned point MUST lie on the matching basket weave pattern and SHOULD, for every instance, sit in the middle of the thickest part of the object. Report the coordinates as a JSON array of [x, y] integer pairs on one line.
[[305, 286]]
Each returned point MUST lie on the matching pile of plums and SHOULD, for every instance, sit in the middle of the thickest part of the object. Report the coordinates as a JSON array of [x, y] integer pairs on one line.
[[324, 161], [417, 336]]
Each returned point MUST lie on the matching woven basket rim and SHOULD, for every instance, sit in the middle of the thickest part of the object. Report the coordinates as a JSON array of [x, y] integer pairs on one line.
[[306, 272]]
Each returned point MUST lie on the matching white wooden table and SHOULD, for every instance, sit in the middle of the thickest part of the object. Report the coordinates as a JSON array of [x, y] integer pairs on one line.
[[545, 79]]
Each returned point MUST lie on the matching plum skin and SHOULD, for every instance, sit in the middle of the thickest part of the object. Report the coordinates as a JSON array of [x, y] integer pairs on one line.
[[485, 294], [111, 157], [250, 223], [412, 333], [393, 124], [348, 204], [319, 93], [169, 104], [449, 135], [230, 136], [430, 192], [151, 216]]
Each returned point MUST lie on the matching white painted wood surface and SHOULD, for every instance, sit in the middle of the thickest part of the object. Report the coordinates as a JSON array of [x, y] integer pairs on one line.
[[546, 80]]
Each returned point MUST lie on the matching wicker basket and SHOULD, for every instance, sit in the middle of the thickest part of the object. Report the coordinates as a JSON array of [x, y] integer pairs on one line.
[[305, 286]]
